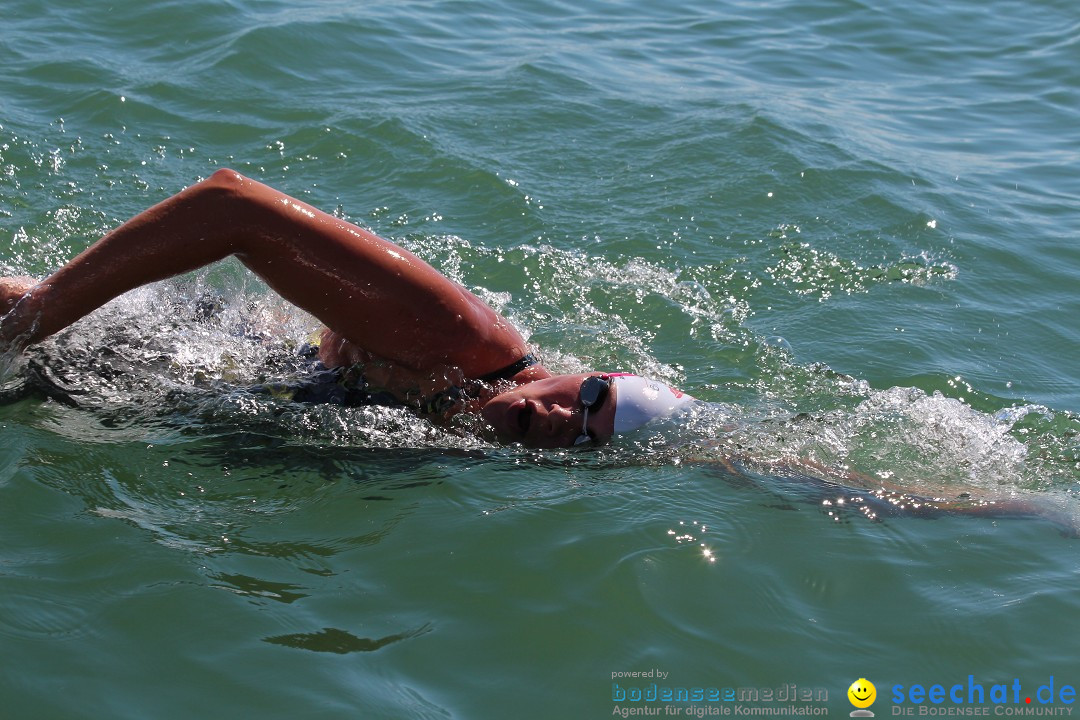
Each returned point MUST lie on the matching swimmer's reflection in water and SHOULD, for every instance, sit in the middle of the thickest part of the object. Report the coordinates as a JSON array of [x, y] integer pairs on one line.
[[396, 330]]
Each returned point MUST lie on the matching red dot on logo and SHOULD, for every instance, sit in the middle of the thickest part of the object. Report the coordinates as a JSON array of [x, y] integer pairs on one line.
[[1027, 700]]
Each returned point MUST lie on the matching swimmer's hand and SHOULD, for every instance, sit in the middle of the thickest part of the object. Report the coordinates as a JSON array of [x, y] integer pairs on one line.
[[13, 288]]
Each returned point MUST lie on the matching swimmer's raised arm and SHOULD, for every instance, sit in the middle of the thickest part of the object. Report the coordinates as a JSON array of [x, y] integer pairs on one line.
[[371, 292]]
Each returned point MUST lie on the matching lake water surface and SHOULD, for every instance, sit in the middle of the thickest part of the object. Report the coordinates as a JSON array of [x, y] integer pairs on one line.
[[850, 228]]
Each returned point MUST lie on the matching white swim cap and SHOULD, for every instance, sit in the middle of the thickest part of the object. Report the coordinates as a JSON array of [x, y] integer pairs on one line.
[[639, 400]]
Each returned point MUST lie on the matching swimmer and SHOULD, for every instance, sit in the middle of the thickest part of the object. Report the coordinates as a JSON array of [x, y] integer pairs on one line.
[[396, 330]]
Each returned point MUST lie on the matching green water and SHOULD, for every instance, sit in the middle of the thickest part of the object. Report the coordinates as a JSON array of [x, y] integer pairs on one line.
[[849, 228]]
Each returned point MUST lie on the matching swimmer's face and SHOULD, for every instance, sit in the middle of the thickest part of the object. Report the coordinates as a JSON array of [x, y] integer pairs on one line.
[[548, 413]]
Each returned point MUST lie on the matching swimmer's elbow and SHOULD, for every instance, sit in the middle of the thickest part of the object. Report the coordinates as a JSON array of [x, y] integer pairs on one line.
[[223, 194], [226, 178]]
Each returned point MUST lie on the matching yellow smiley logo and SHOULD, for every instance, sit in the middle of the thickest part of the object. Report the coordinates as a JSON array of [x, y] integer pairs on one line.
[[862, 693]]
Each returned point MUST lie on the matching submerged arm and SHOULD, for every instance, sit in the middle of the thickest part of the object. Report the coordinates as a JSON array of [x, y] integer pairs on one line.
[[370, 291]]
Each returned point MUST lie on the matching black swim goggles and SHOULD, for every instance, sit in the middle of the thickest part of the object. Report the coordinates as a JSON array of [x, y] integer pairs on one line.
[[594, 389]]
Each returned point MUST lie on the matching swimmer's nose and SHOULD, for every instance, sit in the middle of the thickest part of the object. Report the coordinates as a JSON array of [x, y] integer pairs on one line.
[[558, 419]]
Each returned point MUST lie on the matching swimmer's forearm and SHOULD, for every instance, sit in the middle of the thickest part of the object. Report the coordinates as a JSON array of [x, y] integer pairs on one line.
[[170, 238]]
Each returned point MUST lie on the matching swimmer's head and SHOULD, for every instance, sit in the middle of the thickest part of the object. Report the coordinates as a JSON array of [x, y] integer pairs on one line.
[[641, 400], [550, 412]]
